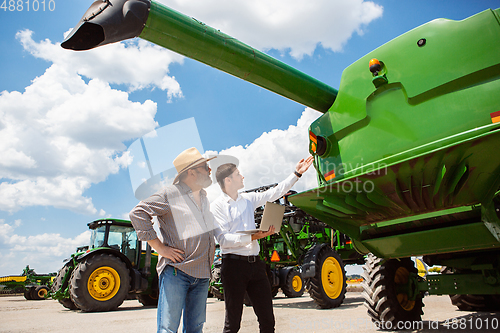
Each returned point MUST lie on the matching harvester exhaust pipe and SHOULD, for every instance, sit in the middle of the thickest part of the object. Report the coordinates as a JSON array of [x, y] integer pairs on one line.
[[108, 21]]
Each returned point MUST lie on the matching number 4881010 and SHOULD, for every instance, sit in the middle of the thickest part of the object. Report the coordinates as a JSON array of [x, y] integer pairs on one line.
[[28, 5]]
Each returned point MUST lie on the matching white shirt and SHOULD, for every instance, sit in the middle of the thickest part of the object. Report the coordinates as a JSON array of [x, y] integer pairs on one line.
[[232, 216]]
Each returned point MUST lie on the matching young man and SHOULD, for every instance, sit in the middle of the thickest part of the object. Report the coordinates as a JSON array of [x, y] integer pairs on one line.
[[242, 270], [187, 250]]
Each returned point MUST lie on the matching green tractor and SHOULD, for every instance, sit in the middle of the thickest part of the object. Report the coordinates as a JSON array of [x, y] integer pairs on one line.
[[34, 286], [114, 267], [406, 151], [305, 255]]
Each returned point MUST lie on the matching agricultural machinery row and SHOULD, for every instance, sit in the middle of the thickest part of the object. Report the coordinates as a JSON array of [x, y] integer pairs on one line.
[[115, 266], [406, 153], [32, 285]]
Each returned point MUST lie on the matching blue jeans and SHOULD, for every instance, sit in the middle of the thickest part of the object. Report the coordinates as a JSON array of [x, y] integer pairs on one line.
[[180, 292]]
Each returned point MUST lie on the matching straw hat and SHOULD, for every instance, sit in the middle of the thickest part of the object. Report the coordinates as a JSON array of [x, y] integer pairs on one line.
[[188, 159]]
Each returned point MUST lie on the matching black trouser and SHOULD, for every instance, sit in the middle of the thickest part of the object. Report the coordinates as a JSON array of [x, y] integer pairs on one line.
[[238, 276]]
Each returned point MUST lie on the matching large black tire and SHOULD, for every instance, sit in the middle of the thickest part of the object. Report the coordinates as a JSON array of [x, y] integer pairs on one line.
[[148, 300], [99, 283], [476, 302], [327, 288], [469, 302], [274, 291], [385, 305], [152, 298], [472, 302], [27, 294], [67, 303], [293, 285], [215, 283], [38, 293]]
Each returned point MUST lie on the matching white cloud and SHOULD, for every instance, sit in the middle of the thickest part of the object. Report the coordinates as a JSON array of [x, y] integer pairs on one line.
[[136, 63], [43, 252], [61, 135], [273, 156], [294, 26]]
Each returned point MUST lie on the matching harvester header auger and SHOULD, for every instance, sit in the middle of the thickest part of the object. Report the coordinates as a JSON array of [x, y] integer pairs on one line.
[[109, 21]]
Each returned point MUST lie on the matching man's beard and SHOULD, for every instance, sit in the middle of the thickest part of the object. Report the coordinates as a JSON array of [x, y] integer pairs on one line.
[[203, 180]]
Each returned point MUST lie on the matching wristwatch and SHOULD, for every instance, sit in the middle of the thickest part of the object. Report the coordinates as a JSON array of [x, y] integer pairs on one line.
[[297, 174]]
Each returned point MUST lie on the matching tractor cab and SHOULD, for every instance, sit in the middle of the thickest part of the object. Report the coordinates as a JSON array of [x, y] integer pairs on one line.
[[115, 234]]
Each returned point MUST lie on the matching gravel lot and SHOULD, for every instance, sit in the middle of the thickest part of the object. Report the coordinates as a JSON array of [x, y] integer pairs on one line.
[[292, 315]]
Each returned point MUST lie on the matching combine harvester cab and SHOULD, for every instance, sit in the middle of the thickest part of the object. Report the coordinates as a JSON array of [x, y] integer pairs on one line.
[[406, 152]]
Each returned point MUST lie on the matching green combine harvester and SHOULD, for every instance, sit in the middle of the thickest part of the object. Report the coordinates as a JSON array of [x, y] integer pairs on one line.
[[406, 152]]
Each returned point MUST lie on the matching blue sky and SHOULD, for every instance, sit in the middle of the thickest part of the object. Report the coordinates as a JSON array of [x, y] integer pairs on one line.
[[67, 118]]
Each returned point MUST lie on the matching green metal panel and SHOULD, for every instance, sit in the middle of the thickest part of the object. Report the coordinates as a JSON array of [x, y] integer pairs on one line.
[[198, 41], [461, 284], [473, 236], [453, 176], [447, 87]]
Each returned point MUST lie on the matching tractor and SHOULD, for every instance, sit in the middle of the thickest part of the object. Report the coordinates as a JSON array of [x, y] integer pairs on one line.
[[406, 152], [114, 267], [34, 286]]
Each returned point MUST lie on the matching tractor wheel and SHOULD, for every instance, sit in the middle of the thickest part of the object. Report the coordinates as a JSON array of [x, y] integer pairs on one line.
[[328, 286], [215, 283], [274, 291], [217, 292], [27, 294], [294, 284], [152, 298], [99, 283], [469, 302], [476, 302], [148, 300], [39, 292], [387, 306], [472, 302], [67, 303]]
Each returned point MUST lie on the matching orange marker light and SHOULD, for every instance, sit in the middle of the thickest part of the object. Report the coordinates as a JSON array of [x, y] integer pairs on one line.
[[374, 61], [375, 66], [275, 256]]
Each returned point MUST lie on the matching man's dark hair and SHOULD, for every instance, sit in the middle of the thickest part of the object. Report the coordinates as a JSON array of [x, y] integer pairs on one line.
[[224, 171]]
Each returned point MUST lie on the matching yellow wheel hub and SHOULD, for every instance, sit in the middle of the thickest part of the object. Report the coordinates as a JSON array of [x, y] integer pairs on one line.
[[42, 292], [103, 283], [332, 278], [401, 277], [297, 283]]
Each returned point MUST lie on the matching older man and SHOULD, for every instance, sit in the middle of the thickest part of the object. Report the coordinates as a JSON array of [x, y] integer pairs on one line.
[[187, 250]]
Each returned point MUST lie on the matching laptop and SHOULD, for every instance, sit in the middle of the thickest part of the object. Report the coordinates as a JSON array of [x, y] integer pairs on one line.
[[273, 215]]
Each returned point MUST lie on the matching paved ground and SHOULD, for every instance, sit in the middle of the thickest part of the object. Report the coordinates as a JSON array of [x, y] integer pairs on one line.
[[292, 315]]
